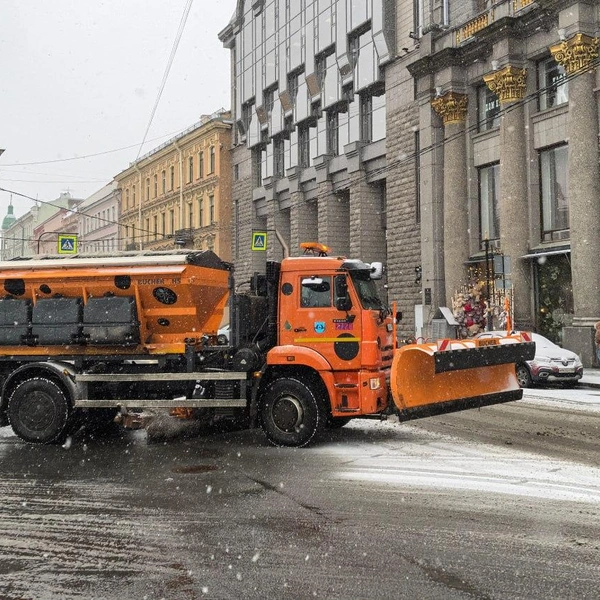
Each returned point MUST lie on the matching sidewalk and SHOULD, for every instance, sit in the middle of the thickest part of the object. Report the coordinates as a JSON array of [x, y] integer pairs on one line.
[[591, 378]]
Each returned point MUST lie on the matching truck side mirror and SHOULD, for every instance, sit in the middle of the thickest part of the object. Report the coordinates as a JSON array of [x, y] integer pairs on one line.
[[343, 301], [398, 316]]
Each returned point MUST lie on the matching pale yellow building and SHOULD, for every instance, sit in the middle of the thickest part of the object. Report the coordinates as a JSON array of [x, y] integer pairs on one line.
[[179, 195]]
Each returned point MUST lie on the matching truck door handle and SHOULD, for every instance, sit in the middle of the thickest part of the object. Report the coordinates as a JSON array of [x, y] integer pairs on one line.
[[298, 329]]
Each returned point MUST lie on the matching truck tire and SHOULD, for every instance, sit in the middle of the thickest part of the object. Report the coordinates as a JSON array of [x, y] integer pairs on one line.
[[39, 411], [290, 414]]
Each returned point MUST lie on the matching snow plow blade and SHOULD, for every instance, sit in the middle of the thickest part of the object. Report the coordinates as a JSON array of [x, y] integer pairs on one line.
[[452, 375]]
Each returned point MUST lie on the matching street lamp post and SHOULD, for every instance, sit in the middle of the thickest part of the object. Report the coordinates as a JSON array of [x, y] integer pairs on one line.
[[488, 279]]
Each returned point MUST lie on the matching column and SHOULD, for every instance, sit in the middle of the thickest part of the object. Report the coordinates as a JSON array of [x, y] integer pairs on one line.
[[303, 222], [452, 107], [334, 219], [576, 55], [367, 234], [509, 84]]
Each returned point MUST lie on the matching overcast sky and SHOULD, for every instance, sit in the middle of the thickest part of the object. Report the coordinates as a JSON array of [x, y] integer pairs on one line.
[[80, 78]]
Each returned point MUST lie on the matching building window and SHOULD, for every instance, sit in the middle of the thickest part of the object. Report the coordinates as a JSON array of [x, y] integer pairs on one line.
[[190, 215], [212, 160], [211, 209], [155, 185], [293, 84], [488, 107], [257, 166], [445, 12], [147, 232], [164, 181], [552, 84], [269, 100], [190, 169], [147, 188], [372, 117], [236, 172], [172, 221], [489, 205], [304, 145], [127, 198], [201, 212], [200, 164], [278, 157], [172, 178], [155, 229], [133, 195], [163, 223], [332, 132], [555, 196]]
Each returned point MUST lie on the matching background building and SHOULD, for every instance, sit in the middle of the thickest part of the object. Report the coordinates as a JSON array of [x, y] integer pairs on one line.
[[179, 195], [98, 218], [21, 237], [455, 140]]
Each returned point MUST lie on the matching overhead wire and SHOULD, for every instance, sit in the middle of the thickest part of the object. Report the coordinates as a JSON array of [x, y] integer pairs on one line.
[[182, 22]]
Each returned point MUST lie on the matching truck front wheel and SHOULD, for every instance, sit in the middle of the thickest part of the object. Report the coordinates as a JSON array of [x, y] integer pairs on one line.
[[290, 414], [39, 411]]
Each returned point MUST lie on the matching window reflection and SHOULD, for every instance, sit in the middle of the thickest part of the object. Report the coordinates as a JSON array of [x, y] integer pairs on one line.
[[489, 205], [552, 84], [555, 193], [488, 106]]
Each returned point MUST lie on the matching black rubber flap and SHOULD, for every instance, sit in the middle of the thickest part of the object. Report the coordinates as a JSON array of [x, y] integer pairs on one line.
[[485, 356]]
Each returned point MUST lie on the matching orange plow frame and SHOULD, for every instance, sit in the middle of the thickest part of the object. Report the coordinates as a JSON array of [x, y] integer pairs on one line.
[[452, 375]]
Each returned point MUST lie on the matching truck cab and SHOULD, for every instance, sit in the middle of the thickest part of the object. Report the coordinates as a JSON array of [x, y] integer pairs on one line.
[[333, 324]]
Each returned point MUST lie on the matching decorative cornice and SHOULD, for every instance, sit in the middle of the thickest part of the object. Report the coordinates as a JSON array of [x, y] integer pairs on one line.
[[452, 107], [577, 53], [508, 83]]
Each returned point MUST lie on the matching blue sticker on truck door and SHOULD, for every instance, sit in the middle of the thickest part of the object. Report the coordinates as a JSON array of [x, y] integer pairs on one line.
[[320, 326]]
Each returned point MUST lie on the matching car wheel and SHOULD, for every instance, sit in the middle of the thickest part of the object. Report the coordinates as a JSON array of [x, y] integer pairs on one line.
[[523, 376], [290, 414]]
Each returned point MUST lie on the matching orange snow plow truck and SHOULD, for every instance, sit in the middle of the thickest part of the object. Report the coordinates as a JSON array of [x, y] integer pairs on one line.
[[311, 345]]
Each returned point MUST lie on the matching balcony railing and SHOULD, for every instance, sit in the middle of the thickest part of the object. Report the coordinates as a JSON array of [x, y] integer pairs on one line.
[[500, 10]]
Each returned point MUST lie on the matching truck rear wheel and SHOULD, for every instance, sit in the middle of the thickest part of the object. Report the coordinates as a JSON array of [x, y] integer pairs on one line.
[[290, 414], [39, 411]]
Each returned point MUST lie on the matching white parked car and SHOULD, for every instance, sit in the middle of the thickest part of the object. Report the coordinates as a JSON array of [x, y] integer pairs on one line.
[[550, 364], [223, 335]]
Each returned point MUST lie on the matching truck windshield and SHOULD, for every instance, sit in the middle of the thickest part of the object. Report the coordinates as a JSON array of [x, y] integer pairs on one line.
[[366, 290]]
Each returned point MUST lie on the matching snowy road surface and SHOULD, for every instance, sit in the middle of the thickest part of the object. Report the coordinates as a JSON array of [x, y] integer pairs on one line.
[[502, 502]]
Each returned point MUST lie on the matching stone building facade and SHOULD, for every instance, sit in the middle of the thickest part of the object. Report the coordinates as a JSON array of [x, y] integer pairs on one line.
[[484, 167], [98, 220], [512, 88], [179, 195]]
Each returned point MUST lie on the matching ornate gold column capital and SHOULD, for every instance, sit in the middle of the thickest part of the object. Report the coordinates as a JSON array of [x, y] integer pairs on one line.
[[577, 53], [508, 83], [452, 107]]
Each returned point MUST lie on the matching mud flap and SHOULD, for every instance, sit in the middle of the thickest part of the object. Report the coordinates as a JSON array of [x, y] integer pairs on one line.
[[453, 375]]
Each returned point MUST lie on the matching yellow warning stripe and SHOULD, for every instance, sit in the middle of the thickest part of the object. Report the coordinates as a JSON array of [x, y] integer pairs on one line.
[[329, 340]]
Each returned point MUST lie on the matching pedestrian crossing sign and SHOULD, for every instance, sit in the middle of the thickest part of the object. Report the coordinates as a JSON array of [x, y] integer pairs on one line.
[[259, 240], [67, 244]]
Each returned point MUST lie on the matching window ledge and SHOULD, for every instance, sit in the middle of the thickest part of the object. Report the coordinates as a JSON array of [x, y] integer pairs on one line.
[[549, 113]]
